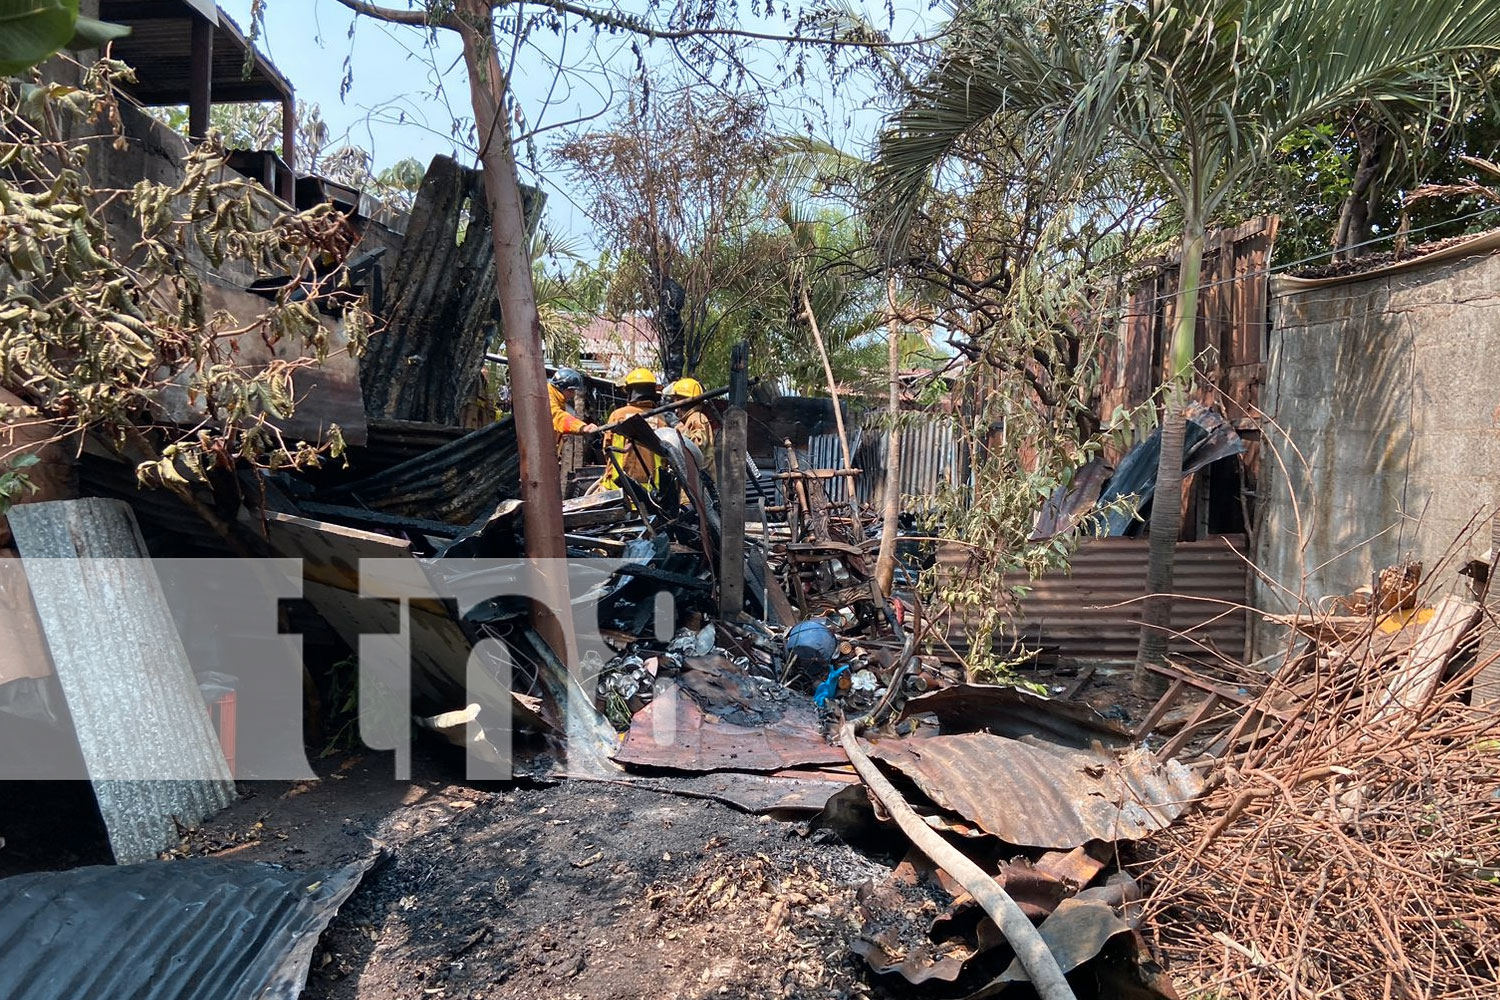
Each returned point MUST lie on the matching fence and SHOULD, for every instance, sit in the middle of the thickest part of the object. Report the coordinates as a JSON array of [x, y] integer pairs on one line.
[[931, 455]]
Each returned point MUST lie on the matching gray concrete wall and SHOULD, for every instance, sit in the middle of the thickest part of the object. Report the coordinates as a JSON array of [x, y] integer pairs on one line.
[[1390, 390]]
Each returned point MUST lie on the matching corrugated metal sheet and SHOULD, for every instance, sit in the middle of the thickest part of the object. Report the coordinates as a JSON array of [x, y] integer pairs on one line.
[[198, 929], [1033, 794], [1092, 610], [152, 754], [930, 456], [457, 482], [392, 442], [824, 451]]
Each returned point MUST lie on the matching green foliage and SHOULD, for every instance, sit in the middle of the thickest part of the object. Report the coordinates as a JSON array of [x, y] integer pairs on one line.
[[92, 332], [1423, 184], [673, 183], [826, 254], [33, 30], [14, 482], [1025, 158], [566, 300]]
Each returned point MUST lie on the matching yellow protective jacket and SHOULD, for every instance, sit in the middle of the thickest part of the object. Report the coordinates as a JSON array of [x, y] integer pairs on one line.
[[697, 428], [637, 462], [563, 422]]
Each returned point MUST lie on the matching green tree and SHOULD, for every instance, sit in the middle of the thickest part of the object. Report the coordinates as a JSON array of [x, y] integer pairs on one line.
[[94, 328], [1202, 95], [672, 183]]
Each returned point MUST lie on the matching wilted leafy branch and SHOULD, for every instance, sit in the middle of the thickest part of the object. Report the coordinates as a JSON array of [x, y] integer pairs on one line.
[[93, 326]]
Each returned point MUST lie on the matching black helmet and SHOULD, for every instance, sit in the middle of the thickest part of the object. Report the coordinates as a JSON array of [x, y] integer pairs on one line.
[[568, 378]]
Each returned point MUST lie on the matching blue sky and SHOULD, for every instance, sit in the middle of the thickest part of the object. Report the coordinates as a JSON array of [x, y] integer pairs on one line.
[[404, 96]]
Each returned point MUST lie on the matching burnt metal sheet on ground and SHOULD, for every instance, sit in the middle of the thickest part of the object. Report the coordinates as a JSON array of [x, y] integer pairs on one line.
[[1075, 932], [919, 922], [152, 754], [458, 482], [672, 732], [197, 929], [1033, 794], [1011, 712]]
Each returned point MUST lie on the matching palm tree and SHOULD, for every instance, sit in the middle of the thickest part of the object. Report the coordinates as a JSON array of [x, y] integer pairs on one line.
[[1196, 95]]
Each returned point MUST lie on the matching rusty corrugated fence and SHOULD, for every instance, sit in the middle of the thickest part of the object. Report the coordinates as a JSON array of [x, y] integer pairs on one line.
[[1091, 611]]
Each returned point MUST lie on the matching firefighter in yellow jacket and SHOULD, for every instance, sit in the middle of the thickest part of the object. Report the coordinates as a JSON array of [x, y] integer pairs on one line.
[[642, 394], [563, 392], [693, 419]]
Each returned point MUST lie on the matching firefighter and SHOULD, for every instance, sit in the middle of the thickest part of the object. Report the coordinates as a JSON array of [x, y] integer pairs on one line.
[[642, 394], [563, 392], [692, 420]]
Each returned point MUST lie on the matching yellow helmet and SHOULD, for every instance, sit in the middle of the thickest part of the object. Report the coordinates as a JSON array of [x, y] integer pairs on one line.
[[687, 388], [640, 376]]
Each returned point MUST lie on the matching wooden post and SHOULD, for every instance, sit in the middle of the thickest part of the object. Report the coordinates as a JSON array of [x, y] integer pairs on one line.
[[201, 77], [885, 563], [289, 148], [1487, 681], [732, 489], [838, 410]]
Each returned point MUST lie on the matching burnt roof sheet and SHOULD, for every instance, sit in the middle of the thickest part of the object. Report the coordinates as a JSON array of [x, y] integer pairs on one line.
[[197, 929]]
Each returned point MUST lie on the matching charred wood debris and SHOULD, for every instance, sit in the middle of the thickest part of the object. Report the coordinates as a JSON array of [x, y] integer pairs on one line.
[[1201, 846]]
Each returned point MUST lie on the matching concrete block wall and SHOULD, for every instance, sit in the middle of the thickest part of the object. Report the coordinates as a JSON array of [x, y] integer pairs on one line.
[[1389, 388]]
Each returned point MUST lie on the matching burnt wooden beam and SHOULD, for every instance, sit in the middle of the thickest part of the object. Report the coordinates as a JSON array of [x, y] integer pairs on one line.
[[732, 495], [201, 77], [441, 303], [289, 149]]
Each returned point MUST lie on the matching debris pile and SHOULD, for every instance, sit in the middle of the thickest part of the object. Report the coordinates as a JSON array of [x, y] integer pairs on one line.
[[1037, 797], [1351, 846]]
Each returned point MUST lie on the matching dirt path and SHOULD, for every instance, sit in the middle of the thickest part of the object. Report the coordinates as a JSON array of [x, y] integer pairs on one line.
[[569, 891]]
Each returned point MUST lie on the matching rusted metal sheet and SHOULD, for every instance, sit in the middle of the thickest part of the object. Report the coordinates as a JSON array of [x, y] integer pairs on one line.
[[783, 793], [920, 924], [673, 732], [1091, 610], [1030, 793], [1233, 316]]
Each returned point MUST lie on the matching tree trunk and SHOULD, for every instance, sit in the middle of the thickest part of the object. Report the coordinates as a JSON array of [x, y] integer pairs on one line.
[[541, 475], [671, 297], [838, 411], [423, 365], [1356, 216], [1166, 504], [885, 562]]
